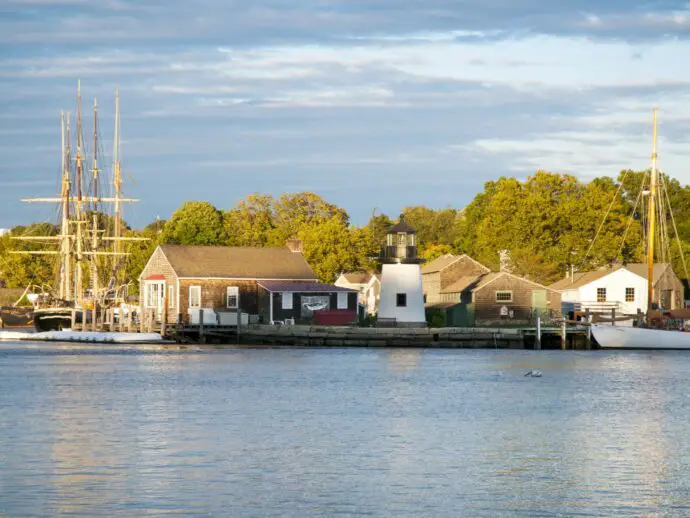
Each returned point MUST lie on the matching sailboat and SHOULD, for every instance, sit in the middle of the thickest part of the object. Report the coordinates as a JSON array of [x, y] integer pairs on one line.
[[88, 243], [649, 334]]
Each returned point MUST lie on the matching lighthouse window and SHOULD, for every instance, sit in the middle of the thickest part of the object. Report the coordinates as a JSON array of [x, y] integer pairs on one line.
[[402, 238], [401, 300]]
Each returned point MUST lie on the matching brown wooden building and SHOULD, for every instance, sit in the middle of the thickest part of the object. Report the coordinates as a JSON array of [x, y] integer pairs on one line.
[[468, 293], [217, 278]]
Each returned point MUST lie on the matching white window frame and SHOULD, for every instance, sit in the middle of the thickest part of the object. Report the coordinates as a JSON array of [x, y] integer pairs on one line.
[[189, 302], [342, 299], [286, 301], [150, 293], [232, 291], [171, 296], [509, 292]]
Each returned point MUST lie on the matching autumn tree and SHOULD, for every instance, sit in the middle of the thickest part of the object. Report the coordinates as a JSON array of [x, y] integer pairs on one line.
[[195, 223], [331, 247]]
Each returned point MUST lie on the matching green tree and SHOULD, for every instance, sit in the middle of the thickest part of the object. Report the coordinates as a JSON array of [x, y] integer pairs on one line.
[[250, 222], [195, 223], [331, 247], [292, 212], [21, 270]]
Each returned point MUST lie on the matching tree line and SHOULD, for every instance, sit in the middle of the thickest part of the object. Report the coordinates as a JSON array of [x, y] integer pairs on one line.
[[547, 223]]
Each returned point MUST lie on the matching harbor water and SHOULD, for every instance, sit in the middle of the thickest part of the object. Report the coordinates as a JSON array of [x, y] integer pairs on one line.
[[146, 430]]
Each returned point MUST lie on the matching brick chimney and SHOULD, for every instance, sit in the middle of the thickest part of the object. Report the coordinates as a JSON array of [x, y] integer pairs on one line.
[[294, 245]]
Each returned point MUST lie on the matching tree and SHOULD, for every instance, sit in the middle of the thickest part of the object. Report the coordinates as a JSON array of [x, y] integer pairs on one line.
[[331, 247], [250, 222], [195, 223], [292, 212], [21, 270]]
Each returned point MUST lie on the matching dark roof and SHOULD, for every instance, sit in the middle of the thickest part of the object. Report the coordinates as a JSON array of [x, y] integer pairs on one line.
[[440, 305], [402, 226], [237, 262], [303, 287]]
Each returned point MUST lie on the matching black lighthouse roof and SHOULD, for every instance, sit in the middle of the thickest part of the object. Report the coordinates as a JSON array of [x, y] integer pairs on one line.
[[402, 226]]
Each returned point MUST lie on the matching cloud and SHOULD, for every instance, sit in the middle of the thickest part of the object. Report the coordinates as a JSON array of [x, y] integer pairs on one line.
[[375, 102]]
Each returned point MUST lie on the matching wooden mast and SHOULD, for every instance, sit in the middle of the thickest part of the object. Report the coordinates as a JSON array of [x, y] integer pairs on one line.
[[94, 229], [117, 185], [78, 287], [65, 277], [651, 231]]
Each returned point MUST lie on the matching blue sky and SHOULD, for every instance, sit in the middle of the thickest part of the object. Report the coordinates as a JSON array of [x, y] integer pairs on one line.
[[372, 104]]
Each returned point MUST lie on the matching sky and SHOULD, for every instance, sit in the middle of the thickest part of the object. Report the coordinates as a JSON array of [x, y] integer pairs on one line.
[[373, 104]]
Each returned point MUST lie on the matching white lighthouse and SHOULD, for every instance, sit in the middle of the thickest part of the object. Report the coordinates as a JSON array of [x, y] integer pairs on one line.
[[401, 296]]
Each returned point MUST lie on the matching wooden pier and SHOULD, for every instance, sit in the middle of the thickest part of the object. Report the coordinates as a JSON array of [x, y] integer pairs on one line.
[[566, 335]]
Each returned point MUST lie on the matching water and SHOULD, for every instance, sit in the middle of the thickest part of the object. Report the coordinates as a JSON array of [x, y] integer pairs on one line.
[[123, 431]]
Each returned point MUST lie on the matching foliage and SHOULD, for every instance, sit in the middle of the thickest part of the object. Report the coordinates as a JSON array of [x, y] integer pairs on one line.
[[195, 223], [21, 270], [331, 247]]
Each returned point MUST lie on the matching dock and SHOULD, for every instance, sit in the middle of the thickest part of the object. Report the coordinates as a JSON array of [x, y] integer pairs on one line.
[[564, 334]]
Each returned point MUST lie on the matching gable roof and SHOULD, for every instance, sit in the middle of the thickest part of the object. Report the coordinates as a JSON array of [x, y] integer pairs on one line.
[[491, 277], [583, 278], [237, 262], [357, 277], [462, 284], [446, 260]]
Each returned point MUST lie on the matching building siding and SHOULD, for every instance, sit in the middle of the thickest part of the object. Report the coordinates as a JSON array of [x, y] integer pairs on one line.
[[159, 265], [435, 282], [296, 312], [487, 309]]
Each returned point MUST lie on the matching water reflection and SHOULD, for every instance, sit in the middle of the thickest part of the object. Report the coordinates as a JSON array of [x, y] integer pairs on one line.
[[304, 432]]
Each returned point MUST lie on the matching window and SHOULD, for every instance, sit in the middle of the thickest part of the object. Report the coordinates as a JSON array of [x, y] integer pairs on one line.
[[195, 296], [342, 300], [504, 296], [601, 294], [402, 238], [171, 297], [629, 294], [233, 297], [154, 292], [401, 300], [286, 300]]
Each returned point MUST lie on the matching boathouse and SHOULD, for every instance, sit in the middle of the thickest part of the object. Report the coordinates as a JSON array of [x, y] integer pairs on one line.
[[181, 280]]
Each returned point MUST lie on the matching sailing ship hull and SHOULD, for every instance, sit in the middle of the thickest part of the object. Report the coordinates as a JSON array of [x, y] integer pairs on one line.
[[624, 337], [15, 317], [55, 319]]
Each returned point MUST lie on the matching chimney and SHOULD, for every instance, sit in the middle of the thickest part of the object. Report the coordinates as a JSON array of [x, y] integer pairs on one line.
[[505, 264], [294, 245]]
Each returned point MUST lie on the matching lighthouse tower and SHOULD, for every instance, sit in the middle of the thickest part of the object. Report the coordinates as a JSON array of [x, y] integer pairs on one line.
[[401, 296]]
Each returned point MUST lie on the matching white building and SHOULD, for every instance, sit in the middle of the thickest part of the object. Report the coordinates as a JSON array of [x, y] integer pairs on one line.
[[622, 287], [4, 231], [368, 286], [402, 297]]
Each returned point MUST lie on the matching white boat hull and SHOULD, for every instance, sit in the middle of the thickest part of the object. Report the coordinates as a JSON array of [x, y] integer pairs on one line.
[[623, 337]]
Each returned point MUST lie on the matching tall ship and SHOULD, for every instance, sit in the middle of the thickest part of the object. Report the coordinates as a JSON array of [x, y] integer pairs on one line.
[[89, 245], [655, 331]]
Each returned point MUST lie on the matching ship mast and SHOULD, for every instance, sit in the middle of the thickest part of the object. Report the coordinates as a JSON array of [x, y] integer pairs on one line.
[[651, 218], [94, 230], [78, 287], [65, 273], [117, 185]]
